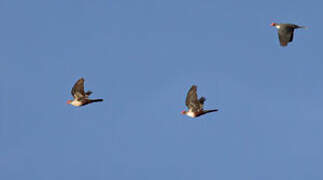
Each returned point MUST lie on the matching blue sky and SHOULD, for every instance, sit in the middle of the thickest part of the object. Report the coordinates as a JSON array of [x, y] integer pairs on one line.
[[142, 57]]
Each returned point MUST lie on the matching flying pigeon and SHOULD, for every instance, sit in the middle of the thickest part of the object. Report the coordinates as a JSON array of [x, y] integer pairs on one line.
[[286, 32], [195, 106], [81, 98]]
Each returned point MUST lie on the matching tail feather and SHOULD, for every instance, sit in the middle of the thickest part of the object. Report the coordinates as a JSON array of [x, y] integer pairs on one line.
[[304, 27], [95, 100], [212, 110], [207, 111]]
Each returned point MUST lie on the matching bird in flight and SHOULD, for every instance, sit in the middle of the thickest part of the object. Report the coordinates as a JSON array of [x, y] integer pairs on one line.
[[195, 105], [81, 98], [286, 32]]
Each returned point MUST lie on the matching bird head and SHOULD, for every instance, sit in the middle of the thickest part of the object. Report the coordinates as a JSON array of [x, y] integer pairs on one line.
[[273, 24], [69, 101]]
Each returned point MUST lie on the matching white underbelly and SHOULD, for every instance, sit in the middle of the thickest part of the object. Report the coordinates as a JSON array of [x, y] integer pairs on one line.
[[76, 103], [190, 114]]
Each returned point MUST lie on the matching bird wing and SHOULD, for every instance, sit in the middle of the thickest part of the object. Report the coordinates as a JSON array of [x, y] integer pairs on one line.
[[78, 89], [191, 99], [285, 34]]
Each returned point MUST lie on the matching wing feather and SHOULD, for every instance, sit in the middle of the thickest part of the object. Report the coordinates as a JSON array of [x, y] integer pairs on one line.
[[191, 99], [285, 34], [78, 89]]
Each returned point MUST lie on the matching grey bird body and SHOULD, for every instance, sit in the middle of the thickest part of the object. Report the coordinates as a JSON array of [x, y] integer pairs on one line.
[[286, 32]]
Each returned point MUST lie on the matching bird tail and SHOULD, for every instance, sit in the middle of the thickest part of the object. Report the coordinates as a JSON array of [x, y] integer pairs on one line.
[[95, 100], [212, 110]]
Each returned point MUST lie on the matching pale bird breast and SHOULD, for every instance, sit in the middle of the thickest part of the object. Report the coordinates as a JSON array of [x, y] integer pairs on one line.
[[76, 103], [190, 114]]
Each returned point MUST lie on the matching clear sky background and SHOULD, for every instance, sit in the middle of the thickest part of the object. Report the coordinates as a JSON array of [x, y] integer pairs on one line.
[[142, 57]]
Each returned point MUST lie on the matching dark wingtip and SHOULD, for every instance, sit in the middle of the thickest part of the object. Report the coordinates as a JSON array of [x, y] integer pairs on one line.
[[88, 93], [202, 100]]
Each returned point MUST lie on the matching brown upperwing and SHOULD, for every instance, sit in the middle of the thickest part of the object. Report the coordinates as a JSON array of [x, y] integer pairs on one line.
[[192, 101], [78, 89]]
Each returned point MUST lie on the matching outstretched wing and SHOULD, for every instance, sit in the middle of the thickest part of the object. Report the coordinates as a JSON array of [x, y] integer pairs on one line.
[[285, 34], [191, 100], [78, 89]]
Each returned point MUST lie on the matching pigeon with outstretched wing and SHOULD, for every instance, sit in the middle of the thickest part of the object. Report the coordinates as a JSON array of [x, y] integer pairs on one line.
[[286, 32], [195, 105], [81, 97]]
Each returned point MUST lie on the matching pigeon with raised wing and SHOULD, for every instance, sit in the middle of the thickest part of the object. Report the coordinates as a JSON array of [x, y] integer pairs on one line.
[[81, 97], [286, 32], [195, 105]]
